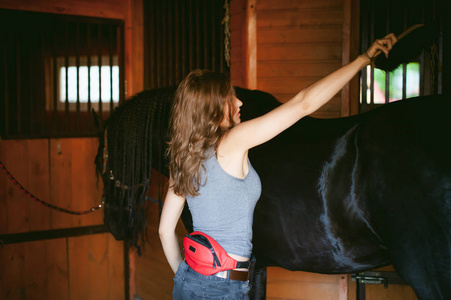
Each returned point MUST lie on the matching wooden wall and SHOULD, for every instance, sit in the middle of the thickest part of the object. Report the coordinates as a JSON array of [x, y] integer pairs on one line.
[[60, 172], [296, 43], [82, 267]]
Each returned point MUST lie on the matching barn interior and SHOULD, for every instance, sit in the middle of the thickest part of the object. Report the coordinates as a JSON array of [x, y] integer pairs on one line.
[[53, 242]]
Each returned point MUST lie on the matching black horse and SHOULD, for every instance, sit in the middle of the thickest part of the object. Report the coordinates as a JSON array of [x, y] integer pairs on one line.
[[338, 195]]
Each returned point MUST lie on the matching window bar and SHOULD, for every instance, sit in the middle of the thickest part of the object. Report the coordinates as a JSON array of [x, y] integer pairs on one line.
[[192, 37], [387, 87], [121, 63], [88, 46], [177, 39], [404, 65], [99, 60], [438, 74], [6, 90], [157, 45], [222, 50], [214, 19], [110, 63], [371, 40], [170, 43], [404, 81], [66, 81], [31, 94], [198, 34], [77, 63], [55, 82], [18, 86], [387, 74], [165, 44], [183, 32], [43, 119], [372, 88], [206, 38]]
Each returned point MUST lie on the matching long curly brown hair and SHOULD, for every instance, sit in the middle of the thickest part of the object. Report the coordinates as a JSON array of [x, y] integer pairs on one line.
[[195, 126]]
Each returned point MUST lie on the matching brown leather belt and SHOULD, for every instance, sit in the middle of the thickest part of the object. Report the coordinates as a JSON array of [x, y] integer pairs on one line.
[[234, 275]]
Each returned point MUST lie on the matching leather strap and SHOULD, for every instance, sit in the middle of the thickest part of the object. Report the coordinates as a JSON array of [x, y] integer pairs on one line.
[[233, 275]]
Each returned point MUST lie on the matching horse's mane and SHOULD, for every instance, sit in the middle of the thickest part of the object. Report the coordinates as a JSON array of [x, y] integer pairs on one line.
[[132, 134]]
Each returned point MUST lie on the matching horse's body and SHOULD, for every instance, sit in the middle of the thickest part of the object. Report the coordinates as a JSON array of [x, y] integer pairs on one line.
[[350, 194]]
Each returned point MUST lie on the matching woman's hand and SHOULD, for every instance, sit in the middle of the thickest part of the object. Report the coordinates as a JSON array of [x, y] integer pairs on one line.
[[385, 45]]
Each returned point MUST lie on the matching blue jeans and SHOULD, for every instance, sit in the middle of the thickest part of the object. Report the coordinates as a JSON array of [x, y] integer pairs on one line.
[[188, 284]]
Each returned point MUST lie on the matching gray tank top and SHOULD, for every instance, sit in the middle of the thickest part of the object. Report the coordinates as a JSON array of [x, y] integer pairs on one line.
[[225, 207]]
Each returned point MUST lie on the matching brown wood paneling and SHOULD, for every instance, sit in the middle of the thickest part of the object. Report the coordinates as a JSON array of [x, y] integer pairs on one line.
[[98, 8], [298, 43], [304, 52], [299, 36], [89, 265], [283, 284], [275, 5], [38, 183], [14, 155], [74, 184], [13, 268], [34, 270], [297, 18], [56, 268], [237, 11], [300, 70]]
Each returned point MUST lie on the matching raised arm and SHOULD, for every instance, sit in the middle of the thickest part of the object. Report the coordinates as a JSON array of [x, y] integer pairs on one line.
[[257, 131]]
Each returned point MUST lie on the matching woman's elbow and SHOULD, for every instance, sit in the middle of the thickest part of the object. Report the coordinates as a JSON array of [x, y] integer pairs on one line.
[[164, 232]]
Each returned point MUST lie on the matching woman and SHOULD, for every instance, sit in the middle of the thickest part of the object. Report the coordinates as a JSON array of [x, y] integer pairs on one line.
[[210, 168]]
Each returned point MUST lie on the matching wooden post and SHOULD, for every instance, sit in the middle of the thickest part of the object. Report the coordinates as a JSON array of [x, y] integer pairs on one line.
[[250, 45]]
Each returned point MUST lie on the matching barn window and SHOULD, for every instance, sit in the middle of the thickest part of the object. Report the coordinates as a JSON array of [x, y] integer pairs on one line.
[[83, 84], [416, 78], [384, 87], [54, 70]]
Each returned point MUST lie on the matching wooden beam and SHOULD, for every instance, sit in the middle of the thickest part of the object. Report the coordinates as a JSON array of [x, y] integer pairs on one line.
[[346, 55], [250, 45]]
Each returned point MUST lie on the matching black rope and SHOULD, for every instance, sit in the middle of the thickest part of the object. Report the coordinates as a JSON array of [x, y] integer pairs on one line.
[[30, 195]]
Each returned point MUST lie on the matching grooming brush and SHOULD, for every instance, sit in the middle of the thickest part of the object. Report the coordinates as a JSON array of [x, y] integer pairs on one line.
[[411, 43]]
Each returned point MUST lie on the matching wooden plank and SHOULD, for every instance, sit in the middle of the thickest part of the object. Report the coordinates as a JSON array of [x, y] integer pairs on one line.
[[13, 269], [79, 260], [61, 182], [14, 155], [331, 51], [94, 271], [297, 4], [57, 269], [330, 34], [4, 186], [276, 274], [86, 187], [115, 261], [284, 85], [249, 45], [137, 52], [98, 266], [293, 18], [236, 40], [284, 284], [295, 69], [98, 8], [39, 183], [35, 275]]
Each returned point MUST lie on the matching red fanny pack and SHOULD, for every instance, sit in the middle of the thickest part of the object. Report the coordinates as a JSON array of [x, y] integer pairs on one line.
[[205, 256]]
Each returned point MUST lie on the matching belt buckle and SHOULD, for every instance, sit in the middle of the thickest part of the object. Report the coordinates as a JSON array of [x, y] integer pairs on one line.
[[222, 274]]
